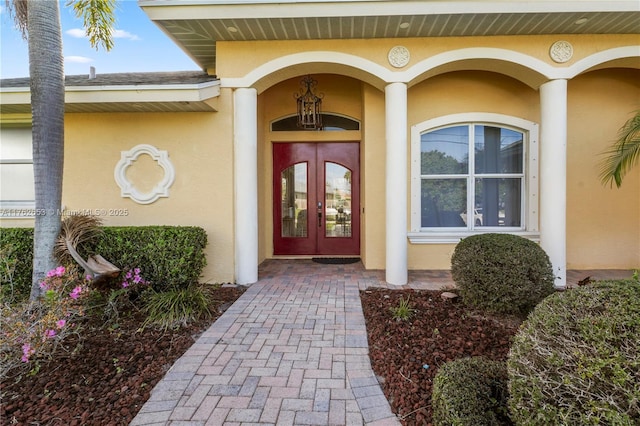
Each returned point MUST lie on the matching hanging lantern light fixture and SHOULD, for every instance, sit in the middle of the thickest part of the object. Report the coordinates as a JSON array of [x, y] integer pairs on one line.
[[309, 116]]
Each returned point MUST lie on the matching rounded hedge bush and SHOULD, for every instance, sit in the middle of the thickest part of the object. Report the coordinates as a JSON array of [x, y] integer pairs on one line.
[[501, 273], [576, 359], [470, 391]]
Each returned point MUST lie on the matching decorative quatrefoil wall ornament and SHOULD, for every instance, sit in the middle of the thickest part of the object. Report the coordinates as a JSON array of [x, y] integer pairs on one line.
[[127, 188]]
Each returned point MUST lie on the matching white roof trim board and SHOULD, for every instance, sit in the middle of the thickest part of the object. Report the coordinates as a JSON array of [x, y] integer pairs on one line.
[[196, 25]]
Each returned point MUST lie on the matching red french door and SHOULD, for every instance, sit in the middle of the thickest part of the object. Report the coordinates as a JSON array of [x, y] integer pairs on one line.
[[316, 192]]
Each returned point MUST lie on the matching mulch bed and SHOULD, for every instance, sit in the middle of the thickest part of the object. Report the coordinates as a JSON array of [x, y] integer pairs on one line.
[[108, 380], [406, 355]]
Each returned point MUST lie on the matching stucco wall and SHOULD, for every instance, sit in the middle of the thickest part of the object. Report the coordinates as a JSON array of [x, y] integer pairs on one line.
[[240, 59], [603, 226], [446, 89], [603, 223], [199, 147]]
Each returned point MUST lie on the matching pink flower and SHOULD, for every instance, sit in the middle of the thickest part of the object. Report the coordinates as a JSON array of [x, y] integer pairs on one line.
[[61, 323], [136, 271], [75, 293], [58, 272], [50, 333], [137, 279], [44, 285], [88, 278], [125, 284], [27, 351], [129, 275]]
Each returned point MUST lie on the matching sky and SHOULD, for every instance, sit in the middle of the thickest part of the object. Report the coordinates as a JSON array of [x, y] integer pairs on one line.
[[139, 45]]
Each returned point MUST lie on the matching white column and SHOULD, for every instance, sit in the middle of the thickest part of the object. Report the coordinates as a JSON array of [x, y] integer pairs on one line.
[[396, 183], [245, 170], [553, 176]]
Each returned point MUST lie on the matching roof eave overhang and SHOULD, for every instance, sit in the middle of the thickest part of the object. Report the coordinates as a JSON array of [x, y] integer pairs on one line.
[[123, 98], [215, 9], [248, 20]]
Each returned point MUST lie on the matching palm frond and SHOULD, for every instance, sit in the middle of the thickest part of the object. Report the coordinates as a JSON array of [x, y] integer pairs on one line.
[[75, 230], [624, 153], [18, 10]]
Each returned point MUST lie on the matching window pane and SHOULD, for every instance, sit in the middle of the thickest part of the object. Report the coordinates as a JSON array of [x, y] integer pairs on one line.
[[498, 150], [498, 202], [443, 201], [445, 151], [16, 144], [16, 182], [337, 200], [330, 122], [294, 201]]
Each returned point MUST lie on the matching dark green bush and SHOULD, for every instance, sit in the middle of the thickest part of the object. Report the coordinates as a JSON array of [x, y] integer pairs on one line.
[[576, 359], [470, 391], [16, 253], [502, 273], [169, 256]]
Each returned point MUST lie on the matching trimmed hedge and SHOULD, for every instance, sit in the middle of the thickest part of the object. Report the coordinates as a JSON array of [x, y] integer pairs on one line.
[[16, 245], [470, 391], [502, 273], [576, 359], [169, 256]]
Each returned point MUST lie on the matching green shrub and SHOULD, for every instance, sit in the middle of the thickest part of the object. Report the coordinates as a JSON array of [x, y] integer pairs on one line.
[[576, 359], [470, 391], [169, 256], [502, 273], [16, 258]]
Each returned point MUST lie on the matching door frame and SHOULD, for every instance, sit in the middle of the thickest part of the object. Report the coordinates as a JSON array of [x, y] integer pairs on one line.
[[317, 243]]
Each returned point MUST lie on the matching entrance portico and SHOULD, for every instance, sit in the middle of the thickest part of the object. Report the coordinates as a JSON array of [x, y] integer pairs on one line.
[[396, 86], [411, 68]]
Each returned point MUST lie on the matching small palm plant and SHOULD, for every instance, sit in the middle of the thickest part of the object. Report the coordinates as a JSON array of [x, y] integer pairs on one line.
[[403, 311], [623, 154]]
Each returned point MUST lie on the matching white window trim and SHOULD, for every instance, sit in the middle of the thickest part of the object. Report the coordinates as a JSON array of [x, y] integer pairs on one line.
[[530, 130], [18, 209]]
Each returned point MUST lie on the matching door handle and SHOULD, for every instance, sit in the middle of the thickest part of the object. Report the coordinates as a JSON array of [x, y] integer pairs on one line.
[[319, 218]]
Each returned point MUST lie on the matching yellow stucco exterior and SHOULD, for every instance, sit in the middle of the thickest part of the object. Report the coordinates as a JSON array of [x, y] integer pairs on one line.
[[603, 224]]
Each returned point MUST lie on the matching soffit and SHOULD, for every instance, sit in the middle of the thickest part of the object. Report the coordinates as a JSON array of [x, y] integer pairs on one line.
[[197, 25]]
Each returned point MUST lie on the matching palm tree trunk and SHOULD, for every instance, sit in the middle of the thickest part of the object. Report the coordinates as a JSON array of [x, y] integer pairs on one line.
[[47, 106]]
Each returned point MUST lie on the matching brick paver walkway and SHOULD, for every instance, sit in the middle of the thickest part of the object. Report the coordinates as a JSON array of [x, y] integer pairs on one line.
[[292, 350]]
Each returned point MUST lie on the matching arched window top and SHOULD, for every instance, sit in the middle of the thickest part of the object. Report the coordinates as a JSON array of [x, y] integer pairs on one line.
[[331, 122], [471, 173]]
